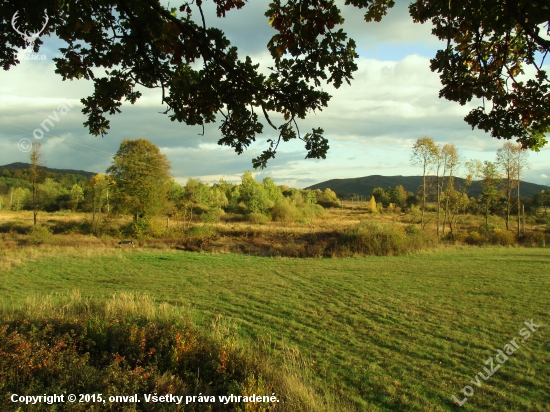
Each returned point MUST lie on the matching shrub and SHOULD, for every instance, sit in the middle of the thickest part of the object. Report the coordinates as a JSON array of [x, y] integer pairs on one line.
[[39, 234], [213, 215], [203, 231], [328, 199], [284, 211], [503, 238], [455, 237], [412, 230], [382, 240], [129, 345], [476, 238], [258, 218], [535, 239], [156, 227], [135, 230]]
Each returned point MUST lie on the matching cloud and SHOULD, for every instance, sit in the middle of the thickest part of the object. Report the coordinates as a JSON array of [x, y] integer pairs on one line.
[[371, 126]]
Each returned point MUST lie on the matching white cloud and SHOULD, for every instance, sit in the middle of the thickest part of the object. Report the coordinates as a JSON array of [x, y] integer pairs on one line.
[[371, 125]]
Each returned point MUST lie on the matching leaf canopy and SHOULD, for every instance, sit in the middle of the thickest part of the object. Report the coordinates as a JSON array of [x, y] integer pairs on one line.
[[490, 44]]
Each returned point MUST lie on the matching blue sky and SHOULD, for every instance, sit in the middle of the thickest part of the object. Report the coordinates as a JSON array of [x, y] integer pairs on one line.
[[371, 125]]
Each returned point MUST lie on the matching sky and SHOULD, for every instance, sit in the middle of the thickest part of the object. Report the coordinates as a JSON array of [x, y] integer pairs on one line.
[[371, 125]]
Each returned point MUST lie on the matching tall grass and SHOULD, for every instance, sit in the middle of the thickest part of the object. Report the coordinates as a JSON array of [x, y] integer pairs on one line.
[[128, 344], [379, 239]]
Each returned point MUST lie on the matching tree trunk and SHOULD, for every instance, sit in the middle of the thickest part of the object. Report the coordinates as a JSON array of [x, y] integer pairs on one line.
[[438, 203], [508, 201], [34, 199], [523, 214], [519, 212], [423, 198]]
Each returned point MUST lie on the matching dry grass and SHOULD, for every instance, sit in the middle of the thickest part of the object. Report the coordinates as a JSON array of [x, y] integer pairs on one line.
[[151, 348], [269, 239]]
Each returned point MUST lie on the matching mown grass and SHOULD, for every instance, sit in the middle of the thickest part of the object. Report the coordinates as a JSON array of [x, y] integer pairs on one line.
[[377, 333]]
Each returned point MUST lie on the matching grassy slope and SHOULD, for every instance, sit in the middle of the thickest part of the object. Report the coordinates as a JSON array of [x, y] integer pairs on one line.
[[397, 333]]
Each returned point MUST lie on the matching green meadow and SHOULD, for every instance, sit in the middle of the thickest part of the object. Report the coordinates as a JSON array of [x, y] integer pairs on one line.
[[371, 333]]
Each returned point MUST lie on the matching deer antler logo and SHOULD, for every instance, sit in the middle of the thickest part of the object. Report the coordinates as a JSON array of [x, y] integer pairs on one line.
[[29, 38]]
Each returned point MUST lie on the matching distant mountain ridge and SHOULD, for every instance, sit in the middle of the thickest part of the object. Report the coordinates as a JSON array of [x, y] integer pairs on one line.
[[20, 166], [364, 185]]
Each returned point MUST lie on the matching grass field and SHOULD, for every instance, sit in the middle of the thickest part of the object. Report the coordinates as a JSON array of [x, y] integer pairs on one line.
[[376, 333]]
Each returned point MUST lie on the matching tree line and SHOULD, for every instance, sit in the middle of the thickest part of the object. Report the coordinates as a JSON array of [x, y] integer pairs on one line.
[[500, 183], [138, 183]]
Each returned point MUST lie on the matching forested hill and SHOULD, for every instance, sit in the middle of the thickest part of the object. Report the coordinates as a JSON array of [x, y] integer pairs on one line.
[[364, 185], [21, 166]]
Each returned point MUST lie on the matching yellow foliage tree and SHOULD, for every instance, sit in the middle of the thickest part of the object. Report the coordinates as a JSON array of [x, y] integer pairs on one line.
[[371, 205]]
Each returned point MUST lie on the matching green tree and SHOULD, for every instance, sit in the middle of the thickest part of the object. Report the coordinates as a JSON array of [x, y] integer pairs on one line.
[[398, 195], [97, 188], [20, 197], [77, 195], [217, 201], [311, 200], [35, 177], [52, 195], [490, 193], [381, 196], [425, 154], [253, 194], [273, 191], [542, 199], [451, 161], [141, 174], [521, 164], [507, 164], [487, 44]]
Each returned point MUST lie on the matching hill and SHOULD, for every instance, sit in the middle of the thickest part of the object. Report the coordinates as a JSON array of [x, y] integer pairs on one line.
[[20, 166], [364, 185]]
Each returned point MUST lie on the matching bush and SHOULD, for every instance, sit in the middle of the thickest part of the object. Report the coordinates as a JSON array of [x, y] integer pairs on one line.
[[383, 240], [213, 215], [39, 234], [455, 237], [535, 239], [135, 230], [284, 211], [412, 230], [129, 345], [202, 231], [258, 218], [156, 227], [503, 238], [475, 238]]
